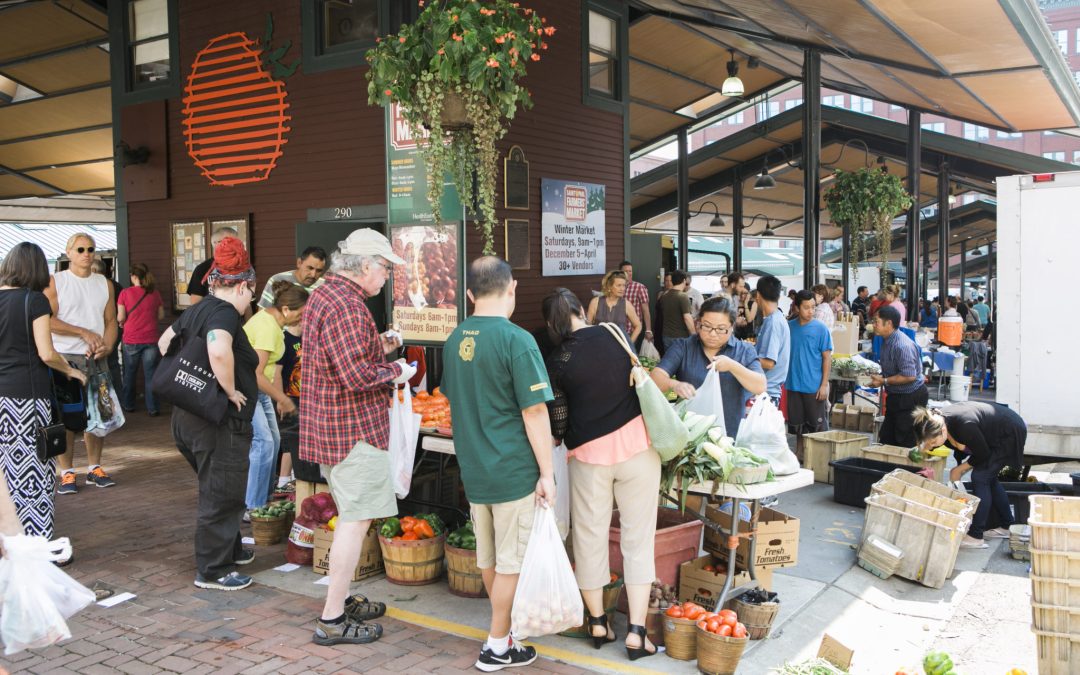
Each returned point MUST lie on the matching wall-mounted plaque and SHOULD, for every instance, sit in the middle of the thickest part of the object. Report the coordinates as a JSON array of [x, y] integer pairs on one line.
[[517, 243], [516, 179]]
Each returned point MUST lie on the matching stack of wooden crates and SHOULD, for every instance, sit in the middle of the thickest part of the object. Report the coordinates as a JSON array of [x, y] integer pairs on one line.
[[1055, 582], [924, 519], [823, 447]]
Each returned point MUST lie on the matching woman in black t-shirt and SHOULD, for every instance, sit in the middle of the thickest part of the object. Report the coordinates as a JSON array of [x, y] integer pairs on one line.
[[26, 354]]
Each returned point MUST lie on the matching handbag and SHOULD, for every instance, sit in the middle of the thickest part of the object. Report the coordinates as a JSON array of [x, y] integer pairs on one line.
[[50, 440], [184, 377], [667, 433]]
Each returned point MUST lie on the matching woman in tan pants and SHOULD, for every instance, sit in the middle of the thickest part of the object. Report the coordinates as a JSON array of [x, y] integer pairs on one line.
[[596, 413]]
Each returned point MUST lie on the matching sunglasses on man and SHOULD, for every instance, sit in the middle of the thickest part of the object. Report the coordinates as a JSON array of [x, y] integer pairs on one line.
[[85, 249]]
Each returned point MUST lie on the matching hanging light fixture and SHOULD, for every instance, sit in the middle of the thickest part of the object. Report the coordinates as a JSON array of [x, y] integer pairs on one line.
[[764, 180], [733, 86], [952, 197], [716, 221], [767, 232]]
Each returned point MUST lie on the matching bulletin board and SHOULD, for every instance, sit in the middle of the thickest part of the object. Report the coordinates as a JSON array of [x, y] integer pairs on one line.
[[190, 242]]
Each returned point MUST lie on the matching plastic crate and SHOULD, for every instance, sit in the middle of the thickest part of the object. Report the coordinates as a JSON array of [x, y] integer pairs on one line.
[[1059, 653], [1055, 619], [1057, 592], [823, 447], [1055, 523], [929, 538], [1054, 564], [898, 455], [1018, 493], [854, 477]]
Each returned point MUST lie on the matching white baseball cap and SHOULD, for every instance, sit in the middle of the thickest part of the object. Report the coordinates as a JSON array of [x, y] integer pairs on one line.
[[369, 242]]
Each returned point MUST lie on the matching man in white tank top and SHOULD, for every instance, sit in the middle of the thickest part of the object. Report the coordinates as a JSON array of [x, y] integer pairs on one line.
[[83, 328]]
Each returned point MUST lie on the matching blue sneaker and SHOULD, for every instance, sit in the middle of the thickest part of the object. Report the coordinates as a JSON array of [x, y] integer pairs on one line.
[[67, 484], [99, 478], [233, 581]]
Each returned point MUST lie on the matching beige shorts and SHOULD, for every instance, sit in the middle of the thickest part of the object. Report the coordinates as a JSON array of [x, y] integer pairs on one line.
[[502, 533], [361, 484]]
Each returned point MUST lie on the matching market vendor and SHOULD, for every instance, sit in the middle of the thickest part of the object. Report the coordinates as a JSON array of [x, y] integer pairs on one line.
[[902, 377], [993, 437], [687, 361]]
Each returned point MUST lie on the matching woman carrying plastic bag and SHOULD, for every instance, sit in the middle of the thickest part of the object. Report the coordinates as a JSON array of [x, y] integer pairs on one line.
[[547, 599], [709, 400], [404, 432], [764, 433]]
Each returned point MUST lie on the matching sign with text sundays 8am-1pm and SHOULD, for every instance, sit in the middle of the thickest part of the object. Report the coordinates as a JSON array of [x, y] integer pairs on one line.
[[573, 239], [406, 177]]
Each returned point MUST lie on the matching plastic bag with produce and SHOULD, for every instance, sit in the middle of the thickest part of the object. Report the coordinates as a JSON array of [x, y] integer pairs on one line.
[[764, 433], [547, 599]]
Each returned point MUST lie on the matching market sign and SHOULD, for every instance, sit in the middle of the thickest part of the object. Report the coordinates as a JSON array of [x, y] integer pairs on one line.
[[426, 287], [572, 226], [406, 177]]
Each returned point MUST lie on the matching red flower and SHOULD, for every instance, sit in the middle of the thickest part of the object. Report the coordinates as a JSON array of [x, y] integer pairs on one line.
[[378, 40], [528, 11], [456, 37], [441, 51], [388, 92], [492, 63], [401, 40], [513, 62], [543, 20], [535, 57], [499, 39], [543, 46], [549, 30]]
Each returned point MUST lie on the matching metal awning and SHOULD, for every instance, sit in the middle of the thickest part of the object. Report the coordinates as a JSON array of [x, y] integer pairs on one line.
[[776, 143], [993, 63], [61, 141]]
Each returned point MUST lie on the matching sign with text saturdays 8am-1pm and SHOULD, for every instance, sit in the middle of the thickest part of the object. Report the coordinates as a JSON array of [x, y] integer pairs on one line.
[[574, 241], [426, 287]]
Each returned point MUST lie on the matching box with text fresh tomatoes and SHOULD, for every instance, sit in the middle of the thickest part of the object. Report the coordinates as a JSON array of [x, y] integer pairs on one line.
[[777, 538], [702, 579], [371, 562]]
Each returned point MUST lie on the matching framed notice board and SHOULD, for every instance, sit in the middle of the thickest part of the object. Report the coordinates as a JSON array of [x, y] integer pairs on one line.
[[190, 245], [517, 243]]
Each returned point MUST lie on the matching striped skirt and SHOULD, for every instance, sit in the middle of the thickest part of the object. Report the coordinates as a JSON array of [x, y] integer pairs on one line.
[[31, 482]]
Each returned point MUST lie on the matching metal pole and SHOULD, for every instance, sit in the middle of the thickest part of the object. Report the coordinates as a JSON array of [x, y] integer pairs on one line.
[[989, 269], [683, 170], [845, 261], [736, 223], [914, 224], [924, 265], [963, 268], [943, 229], [811, 143]]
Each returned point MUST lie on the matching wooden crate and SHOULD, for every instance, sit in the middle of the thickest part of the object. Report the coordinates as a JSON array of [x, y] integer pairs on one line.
[[933, 486], [825, 446], [892, 485], [1055, 523], [1059, 653], [898, 455], [1057, 592], [929, 538]]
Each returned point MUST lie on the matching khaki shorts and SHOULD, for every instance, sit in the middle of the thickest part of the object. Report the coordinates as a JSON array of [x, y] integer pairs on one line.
[[502, 533], [360, 485]]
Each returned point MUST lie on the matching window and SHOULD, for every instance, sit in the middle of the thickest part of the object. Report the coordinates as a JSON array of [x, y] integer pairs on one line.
[[604, 45], [1076, 157], [603, 38], [862, 104], [1057, 156], [1049, 133], [768, 109], [974, 132], [737, 118], [834, 101], [893, 107], [1007, 135], [148, 42], [795, 102], [1076, 73], [938, 127], [336, 33], [1062, 37]]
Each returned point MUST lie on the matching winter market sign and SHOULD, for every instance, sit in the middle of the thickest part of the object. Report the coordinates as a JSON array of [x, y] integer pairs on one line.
[[573, 238]]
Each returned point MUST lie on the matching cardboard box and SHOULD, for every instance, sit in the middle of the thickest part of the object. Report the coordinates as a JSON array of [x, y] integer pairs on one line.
[[305, 489], [371, 562], [835, 653], [697, 585], [777, 538], [845, 337], [836, 416]]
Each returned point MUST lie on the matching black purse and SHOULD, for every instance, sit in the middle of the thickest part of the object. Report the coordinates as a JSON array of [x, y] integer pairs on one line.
[[50, 440], [184, 377]]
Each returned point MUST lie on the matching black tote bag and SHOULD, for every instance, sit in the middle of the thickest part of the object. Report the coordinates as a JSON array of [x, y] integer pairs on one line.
[[184, 377]]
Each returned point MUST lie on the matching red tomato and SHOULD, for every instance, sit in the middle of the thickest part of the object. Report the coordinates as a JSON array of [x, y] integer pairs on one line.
[[709, 568], [702, 625], [712, 625], [724, 631], [726, 612], [729, 620], [675, 612], [739, 631]]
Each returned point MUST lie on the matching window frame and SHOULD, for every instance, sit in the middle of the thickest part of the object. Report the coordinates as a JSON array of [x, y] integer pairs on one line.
[[123, 68], [316, 61], [618, 12]]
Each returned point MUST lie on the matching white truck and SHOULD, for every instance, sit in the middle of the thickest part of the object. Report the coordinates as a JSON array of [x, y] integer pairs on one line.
[[1038, 327]]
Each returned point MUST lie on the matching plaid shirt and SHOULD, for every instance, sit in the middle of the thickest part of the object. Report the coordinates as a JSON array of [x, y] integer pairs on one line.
[[638, 297], [901, 356], [345, 397]]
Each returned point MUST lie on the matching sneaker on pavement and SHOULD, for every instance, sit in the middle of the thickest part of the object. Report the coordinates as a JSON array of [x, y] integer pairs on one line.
[[67, 484], [996, 533], [247, 516], [233, 581], [971, 542], [246, 557], [347, 632], [99, 478], [517, 655]]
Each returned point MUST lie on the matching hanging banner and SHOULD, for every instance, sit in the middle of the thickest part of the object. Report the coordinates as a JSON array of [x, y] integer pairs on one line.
[[425, 306], [406, 177], [573, 238]]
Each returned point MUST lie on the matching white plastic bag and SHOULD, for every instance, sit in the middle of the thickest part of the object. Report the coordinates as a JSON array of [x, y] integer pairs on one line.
[[404, 432], [37, 596], [562, 489], [708, 400], [104, 414], [764, 433], [547, 599], [649, 350]]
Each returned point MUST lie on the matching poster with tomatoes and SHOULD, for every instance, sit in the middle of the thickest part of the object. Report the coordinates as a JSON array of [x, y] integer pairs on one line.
[[426, 287]]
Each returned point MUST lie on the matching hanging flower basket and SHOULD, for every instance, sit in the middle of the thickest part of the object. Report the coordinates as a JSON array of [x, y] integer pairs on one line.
[[866, 201], [456, 74]]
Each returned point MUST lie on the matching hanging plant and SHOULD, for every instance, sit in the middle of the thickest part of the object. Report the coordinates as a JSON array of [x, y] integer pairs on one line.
[[456, 74], [866, 201]]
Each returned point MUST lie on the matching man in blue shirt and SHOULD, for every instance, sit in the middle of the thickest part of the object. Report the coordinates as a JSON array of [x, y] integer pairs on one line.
[[808, 373], [774, 338], [983, 310], [902, 377], [713, 346]]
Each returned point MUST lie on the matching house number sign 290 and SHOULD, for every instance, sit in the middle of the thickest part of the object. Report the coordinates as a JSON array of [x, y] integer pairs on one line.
[[342, 212]]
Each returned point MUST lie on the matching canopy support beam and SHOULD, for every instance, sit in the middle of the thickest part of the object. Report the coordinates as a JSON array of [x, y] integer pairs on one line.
[[683, 189], [811, 143], [944, 225], [914, 162], [736, 222]]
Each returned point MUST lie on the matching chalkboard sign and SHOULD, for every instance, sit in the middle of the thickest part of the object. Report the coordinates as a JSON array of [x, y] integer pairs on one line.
[[517, 243], [516, 179]]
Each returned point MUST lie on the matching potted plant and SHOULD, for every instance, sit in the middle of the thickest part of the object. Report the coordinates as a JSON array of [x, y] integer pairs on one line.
[[866, 201], [456, 74]]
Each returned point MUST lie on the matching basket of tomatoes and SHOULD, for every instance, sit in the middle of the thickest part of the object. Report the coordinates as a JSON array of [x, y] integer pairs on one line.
[[721, 639], [413, 549], [680, 631]]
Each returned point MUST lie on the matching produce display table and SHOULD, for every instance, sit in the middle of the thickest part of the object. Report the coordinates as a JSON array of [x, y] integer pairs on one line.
[[443, 446], [753, 493], [436, 443], [838, 386]]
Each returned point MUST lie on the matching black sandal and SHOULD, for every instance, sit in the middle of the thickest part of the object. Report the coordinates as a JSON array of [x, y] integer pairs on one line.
[[359, 608], [348, 632], [635, 653], [609, 636]]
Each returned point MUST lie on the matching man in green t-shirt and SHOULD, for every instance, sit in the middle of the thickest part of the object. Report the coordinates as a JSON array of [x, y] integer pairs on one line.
[[675, 308], [498, 389]]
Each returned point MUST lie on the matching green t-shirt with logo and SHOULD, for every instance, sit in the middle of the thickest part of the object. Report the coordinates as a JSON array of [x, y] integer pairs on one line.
[[492, 370]]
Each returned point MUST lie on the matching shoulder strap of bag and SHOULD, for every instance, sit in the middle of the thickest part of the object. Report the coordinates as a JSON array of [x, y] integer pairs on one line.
[[139, 302], [30, 364], [617, 333]]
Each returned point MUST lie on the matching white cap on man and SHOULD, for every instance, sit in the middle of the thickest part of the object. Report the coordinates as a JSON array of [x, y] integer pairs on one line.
[[369, 242]]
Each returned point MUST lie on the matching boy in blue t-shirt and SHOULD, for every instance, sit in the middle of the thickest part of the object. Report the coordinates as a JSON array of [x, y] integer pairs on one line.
[[808, 373]]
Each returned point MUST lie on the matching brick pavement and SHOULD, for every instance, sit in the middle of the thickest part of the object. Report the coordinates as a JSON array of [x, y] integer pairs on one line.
[[137, 537]]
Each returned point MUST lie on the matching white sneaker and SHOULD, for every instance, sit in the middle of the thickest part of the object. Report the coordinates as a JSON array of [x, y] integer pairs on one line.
[[996, 533], [971, 542]]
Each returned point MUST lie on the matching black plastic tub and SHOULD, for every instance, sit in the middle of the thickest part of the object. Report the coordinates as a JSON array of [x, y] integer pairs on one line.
[[854, 476], [1018, 500], [1075, 478]]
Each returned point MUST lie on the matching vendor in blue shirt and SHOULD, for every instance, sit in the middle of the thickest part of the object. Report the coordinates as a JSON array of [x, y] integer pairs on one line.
[[902, 377], [713, 346]]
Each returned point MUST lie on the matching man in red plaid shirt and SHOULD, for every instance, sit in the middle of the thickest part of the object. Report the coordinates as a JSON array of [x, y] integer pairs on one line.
[[638, 296], [345, 421]]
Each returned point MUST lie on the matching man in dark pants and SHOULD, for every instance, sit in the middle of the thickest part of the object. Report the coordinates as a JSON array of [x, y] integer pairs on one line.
[[902, 377]]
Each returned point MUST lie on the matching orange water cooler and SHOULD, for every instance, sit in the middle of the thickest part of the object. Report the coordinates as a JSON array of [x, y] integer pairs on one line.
[[950, 331]]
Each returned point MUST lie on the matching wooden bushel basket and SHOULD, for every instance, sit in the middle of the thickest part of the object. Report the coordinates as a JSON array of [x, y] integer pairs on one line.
[[758, 619], [269, 531], [718, 655], [680, 638], [413, 563], [462, 573]]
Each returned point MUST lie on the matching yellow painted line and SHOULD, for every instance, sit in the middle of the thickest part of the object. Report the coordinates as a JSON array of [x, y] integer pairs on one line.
[[557, 653]]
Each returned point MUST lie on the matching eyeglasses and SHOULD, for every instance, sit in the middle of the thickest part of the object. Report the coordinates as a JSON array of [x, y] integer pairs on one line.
[[715, 330], [85, 249], [388, 268]]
